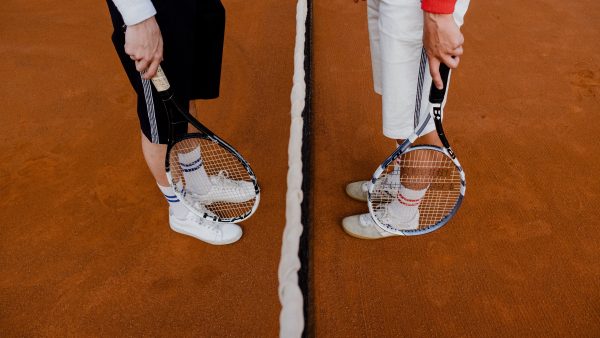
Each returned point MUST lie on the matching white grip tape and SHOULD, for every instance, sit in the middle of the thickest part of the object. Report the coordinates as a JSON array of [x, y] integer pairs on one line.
[[160, 80]]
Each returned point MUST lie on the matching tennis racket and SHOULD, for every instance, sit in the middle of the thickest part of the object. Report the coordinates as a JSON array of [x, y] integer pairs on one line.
[[418, 188], [208, 175]]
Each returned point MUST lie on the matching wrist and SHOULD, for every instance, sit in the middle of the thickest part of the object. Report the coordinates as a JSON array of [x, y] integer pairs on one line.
[[436, 17], [135, 11], [149, 21]]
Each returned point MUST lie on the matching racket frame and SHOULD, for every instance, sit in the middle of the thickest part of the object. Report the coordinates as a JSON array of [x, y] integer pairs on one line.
[[232, 151], [436, 101], [203, 132]]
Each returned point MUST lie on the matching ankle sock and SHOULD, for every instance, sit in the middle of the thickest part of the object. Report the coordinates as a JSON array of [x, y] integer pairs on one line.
[[196, 178], [406, 205], [178, 209]]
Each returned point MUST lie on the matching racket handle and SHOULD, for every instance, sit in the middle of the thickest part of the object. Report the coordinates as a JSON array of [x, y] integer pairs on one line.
[[160, 80], [436, 95]]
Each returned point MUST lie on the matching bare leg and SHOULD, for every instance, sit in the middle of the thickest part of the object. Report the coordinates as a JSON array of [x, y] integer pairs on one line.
[[155, 159], [413, 166], [431, 138]]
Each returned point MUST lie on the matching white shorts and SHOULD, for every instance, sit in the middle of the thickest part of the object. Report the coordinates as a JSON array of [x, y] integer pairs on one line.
[[400, 70]]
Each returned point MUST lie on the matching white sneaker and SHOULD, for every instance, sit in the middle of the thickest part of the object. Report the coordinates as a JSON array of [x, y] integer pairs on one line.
[[225, 189], [358, 190], [364, 227], [400, 217], [205, 230]]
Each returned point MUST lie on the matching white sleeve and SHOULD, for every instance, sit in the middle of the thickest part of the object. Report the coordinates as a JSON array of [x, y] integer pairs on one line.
[[135, 11]]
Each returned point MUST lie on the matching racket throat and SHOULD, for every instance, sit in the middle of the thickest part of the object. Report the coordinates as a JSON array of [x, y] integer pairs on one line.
[[437, 119]]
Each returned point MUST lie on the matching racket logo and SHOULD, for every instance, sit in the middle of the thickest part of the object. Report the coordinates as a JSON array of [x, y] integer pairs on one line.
[[437, 112]]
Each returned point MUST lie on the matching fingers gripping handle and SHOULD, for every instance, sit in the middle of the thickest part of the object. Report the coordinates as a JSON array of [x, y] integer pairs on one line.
[[436, 95], [160, 80]]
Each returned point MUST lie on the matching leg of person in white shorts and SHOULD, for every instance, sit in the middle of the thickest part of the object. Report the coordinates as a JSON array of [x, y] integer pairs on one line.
[[402, 76]]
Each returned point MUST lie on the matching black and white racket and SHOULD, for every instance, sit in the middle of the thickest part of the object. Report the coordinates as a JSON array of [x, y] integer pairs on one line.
[[417, 189], [208, 175]]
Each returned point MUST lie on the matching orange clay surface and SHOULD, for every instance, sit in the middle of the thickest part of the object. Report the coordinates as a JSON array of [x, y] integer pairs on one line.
[[85, 249], [85, 245], [522, 257]]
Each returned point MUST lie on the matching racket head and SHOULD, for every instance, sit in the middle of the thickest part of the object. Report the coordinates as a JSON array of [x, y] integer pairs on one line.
[[433, 182], [211, 178]]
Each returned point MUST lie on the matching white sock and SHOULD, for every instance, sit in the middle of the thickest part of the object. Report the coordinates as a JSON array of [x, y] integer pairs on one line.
[[408, 200], [179, 210], [411, 197], [196, 178]]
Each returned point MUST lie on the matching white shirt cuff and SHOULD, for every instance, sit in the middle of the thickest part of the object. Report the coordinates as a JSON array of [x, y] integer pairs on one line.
[[135, 11]]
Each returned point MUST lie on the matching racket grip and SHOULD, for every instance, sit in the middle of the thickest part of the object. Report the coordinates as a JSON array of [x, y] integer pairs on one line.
[[436, 95], [160, 80]]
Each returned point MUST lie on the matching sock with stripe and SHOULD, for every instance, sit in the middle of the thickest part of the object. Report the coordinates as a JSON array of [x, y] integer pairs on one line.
[[409, 197], [407, 203], [195, 175], [178, 209]]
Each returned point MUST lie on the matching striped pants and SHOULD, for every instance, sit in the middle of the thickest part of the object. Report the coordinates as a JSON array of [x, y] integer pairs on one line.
[[400, 71]]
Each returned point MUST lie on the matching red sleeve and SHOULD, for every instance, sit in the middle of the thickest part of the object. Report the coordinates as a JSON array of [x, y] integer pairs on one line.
[[438, 6]]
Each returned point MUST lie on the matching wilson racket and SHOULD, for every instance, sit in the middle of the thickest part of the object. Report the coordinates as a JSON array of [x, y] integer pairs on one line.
[[208, 175], [417, 189]]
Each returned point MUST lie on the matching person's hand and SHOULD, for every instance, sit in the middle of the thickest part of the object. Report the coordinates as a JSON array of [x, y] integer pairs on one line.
[[443, 42], [144, 45]]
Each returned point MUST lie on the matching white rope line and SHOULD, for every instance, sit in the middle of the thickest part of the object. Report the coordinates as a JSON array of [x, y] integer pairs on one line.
[[291, 318]]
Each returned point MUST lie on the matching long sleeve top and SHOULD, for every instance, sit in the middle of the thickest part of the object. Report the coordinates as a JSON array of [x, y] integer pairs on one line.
[[135, 11], [438, 6]]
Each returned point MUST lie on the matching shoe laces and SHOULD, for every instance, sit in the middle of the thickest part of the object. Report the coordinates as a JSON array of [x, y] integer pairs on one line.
[[366, 220], [212, 226], [222, 179], [223, 174], [382, 214]]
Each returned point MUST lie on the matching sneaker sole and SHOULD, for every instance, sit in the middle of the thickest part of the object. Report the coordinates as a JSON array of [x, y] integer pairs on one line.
[[363, 237], [361, 198], [211, 201], [183, 232]]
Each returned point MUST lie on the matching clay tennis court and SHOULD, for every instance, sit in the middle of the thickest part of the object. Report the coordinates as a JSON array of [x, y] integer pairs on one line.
[[521, 258], [85, 247]]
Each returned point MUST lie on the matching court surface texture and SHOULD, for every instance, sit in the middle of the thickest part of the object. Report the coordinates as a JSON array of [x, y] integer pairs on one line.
[[85, 246], [521, 258]]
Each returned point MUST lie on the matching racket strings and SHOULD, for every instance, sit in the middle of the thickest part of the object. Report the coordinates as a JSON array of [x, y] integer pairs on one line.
[[427, 173], [217, 183]]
